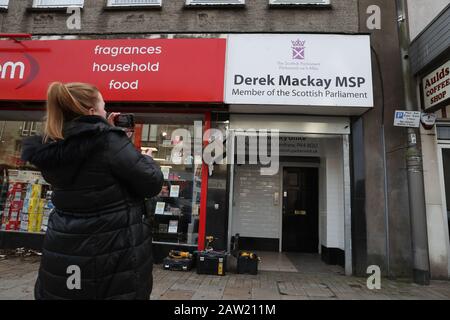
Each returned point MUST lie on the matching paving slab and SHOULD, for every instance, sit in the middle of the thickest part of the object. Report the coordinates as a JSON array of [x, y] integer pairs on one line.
[[17, 278]]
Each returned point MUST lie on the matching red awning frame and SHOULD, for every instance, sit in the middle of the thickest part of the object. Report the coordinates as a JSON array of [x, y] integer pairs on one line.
[[15, 36]]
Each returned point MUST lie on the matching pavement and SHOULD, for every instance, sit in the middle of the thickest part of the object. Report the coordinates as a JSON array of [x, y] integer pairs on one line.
[[281, 277]]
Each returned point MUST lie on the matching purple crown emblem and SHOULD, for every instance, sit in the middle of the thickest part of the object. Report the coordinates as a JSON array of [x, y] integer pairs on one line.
[[298, 49]]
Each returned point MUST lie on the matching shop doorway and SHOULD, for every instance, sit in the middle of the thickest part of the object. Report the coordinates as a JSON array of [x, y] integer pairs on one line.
[[443, 245], [321, 223], [446, 170], [300, 211]]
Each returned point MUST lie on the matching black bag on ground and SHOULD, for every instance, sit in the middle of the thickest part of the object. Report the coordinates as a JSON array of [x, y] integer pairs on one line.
[[172, 264], [178, 261], [247, 262]]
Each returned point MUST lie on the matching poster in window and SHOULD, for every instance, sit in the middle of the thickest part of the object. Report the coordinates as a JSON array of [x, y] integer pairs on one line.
[[165, 171], [160, 207], [173, 226], [174, 191]]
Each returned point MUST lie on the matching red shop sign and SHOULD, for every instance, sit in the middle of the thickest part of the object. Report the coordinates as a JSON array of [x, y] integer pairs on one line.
[[156, 70]]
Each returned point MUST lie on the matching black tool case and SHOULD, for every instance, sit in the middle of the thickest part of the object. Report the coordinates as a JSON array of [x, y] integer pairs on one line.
[[211, 262], [178, 264]]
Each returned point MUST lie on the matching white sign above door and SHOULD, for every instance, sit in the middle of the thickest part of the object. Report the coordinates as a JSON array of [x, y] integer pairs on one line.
[[299, 69]]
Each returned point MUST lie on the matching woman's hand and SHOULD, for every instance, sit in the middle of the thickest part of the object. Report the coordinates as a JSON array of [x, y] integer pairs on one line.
[[112, 116], [148, 152]]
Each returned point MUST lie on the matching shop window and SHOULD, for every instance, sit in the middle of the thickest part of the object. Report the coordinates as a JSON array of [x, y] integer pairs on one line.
[[57, 3], [4, 4], [30, 128], [11, 135], [176, 209], [134, 3], [215, 2], [443, 131], [299, 2], [25, 197]]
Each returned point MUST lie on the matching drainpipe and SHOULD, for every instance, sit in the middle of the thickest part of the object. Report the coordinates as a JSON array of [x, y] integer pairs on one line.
[[383, 145], [417, 209], [386, 200]]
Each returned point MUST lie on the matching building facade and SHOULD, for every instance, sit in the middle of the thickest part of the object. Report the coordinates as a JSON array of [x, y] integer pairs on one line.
[[430, 64], [343, 161]]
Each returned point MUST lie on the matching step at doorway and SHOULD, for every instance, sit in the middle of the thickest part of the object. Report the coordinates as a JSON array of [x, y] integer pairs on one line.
[[295, 262]]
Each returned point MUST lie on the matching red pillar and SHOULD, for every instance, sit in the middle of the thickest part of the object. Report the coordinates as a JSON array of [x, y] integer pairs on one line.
[[138, 136], [204, 189]]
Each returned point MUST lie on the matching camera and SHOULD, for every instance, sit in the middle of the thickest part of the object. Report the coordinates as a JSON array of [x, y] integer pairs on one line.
[[125, 120]]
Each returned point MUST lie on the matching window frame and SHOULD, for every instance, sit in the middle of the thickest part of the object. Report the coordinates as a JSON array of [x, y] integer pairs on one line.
[[4, 4], [110, 4], [35, 5], [300, 3], [214, 3]]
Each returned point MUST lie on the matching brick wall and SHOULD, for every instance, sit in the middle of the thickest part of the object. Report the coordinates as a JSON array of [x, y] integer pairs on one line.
[[173, 17]]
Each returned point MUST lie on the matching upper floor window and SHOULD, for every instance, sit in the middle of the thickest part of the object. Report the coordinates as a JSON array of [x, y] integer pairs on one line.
[[214, 2], [4, 4], [300, 2], [57, 3], [135, 3]]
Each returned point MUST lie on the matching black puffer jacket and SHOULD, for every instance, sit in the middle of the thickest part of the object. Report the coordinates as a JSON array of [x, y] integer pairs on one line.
[[100, 181]]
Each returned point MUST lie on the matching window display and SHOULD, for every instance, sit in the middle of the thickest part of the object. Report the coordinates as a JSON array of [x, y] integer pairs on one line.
[[25, 198], [175, 210], [28, 204]]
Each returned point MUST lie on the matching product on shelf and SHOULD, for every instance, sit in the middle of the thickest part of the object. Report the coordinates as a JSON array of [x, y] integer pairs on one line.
[[13, 206], [164, 191], [3, 192], [35, 209], [26, 202], [48, 207], [14, 215], [163, 228]]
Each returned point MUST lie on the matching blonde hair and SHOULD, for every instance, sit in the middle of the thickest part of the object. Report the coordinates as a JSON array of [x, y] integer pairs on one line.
[[66, 102]]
